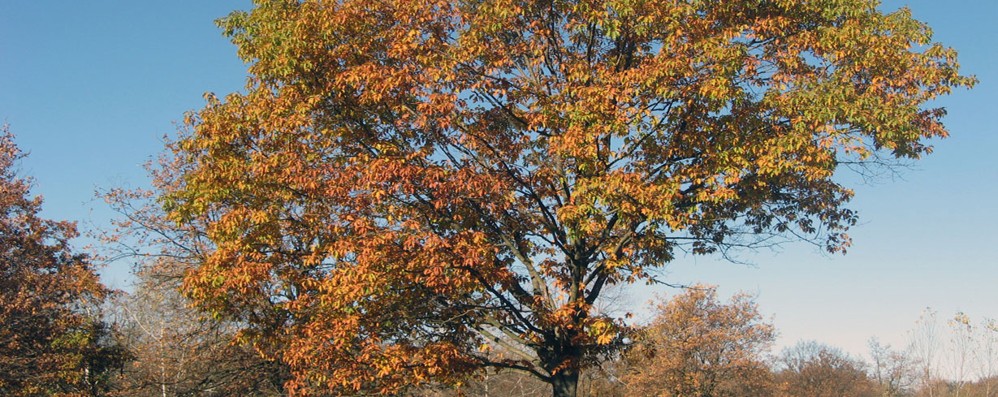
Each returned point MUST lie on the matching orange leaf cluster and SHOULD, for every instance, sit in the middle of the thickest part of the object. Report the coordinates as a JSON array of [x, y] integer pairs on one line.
[[44, 335]]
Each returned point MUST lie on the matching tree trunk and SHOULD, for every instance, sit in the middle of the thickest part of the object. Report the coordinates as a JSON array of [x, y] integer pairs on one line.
[[565, 382]]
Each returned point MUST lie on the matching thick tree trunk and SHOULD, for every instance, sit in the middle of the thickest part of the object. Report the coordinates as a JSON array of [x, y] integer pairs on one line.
[[565, 382]]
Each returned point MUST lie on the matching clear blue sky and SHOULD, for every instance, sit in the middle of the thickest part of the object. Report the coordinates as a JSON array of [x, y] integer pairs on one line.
[[90, 88]]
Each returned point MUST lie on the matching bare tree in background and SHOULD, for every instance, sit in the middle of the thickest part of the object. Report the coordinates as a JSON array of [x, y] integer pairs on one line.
[[180, 352], [961, 347], [924, 342], [896, 371], [987, 356]]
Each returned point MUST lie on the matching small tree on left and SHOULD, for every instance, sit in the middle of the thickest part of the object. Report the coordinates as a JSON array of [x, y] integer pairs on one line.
[[49, 344]]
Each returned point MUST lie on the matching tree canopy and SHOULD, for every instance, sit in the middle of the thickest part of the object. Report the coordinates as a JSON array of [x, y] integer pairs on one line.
[[48, 343], [697, 345], [813, 369], [412, 191]]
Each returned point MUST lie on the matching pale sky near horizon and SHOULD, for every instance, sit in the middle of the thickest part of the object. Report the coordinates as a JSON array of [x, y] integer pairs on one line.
[[90, 88]]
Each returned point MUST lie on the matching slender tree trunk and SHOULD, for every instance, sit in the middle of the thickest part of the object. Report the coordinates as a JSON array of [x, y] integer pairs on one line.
[[565, 383]]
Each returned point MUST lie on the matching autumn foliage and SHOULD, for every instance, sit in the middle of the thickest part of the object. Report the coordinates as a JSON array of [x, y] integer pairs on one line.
[[412, 191], [812, 369], [698, 345], [48, 343]]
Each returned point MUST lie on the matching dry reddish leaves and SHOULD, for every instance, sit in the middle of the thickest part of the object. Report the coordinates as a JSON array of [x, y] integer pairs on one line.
[[44, 286]]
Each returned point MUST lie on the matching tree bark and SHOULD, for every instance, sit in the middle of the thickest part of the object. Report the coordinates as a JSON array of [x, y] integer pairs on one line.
[[565, 382]]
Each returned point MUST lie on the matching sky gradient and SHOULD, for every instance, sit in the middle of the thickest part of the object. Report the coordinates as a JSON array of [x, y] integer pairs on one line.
[[91, 88]]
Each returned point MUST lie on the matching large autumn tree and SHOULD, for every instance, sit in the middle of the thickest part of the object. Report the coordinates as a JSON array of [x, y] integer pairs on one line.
[[49, 345], [410, 191]]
